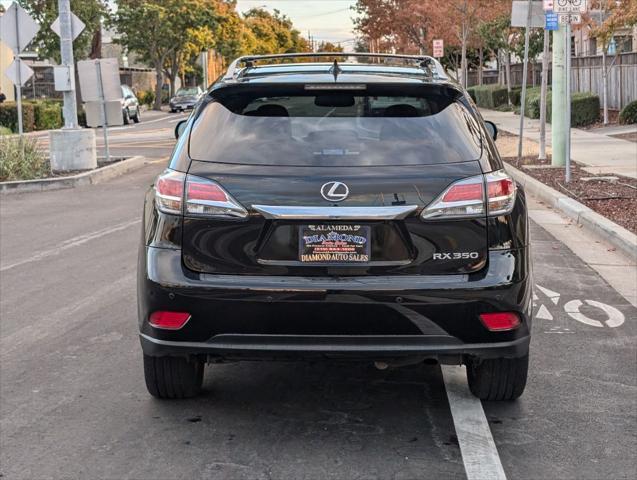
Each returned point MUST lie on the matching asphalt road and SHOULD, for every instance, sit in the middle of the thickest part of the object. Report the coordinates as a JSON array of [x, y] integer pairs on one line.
[[73, 402]]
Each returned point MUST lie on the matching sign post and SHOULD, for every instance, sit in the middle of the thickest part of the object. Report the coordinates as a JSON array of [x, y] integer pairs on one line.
[[100, 87], [439, 48], [17, 29], [534, 17]]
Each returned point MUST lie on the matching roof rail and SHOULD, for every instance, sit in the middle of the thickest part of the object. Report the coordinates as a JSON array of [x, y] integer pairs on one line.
[[429, 64]]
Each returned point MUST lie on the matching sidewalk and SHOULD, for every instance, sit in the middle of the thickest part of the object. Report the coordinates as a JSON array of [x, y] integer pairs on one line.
[[601, 153]]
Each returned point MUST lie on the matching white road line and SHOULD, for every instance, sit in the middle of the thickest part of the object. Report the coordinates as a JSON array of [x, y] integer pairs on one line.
[[70, 243], [479, 453]]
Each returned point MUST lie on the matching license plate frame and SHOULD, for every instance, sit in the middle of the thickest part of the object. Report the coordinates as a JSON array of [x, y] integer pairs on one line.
[[334, 244]]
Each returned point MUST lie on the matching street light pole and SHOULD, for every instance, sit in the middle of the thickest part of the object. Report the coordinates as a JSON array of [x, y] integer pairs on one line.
[[66, 50]]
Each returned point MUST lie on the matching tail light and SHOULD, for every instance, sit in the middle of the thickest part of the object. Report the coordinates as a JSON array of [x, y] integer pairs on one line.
[[500, 321], [179, 193], [466, 198], [168, 320]]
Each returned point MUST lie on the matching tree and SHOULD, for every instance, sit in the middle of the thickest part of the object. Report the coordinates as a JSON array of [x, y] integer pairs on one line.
[[274, 32], [497, 36], [159, 30], [87, 44]]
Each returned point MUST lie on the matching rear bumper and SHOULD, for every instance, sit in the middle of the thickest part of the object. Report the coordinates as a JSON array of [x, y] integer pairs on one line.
[[260, 317], [443, 348]]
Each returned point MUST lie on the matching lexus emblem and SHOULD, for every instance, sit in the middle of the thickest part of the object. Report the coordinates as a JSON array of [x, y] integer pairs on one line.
[[334, 191]]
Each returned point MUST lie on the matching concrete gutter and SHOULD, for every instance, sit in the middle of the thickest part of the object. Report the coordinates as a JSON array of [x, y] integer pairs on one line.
[[592, 221], [91, 177]]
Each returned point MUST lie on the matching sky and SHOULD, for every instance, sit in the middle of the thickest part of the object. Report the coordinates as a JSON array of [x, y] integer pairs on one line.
[[327, 20]]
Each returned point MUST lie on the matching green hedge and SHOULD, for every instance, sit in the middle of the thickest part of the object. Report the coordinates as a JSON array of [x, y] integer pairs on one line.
[[584, 107], [9, 116], [37, 115], [491, 96], [628, 114], [48, 115]]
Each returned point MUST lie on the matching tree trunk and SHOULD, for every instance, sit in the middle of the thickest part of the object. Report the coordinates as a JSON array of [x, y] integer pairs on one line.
[[159, 77], [604, 85], [480, 79], [96, 44], [507, 67], [463, 61], [171, 79]]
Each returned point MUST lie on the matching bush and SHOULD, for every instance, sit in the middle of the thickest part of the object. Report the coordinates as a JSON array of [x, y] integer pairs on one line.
[[48, 115], [491, 96], [628, 114], [584, 109], [533, 100], [21, 159], [516, 95], [147, 97], [9, 116], [5, 131]]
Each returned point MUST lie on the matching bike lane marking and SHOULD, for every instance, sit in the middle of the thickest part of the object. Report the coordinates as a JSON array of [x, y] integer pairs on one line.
[[479, 453]]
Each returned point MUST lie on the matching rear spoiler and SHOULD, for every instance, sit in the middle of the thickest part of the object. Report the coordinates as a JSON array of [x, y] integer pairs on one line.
[[430, 65]]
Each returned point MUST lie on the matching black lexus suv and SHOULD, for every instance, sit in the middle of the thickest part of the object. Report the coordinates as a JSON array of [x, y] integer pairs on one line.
[[335, 210]]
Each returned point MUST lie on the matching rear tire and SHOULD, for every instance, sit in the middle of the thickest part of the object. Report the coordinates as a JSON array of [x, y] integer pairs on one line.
[[173, 377], [498, 378]]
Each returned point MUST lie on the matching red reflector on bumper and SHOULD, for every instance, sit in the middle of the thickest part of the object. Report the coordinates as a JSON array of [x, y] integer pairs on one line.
[[501, 321], [168, 320]]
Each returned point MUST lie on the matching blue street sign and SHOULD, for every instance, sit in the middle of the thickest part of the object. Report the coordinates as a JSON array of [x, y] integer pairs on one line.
[[552, 23]]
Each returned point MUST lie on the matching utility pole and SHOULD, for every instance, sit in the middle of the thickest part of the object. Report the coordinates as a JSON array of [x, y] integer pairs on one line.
[[558, 104], [567, 119], [71, 148], [544, 88], [66, 51]]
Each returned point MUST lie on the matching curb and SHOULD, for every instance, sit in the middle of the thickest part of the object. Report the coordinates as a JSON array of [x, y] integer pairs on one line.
[[592, 221], [86, 178]]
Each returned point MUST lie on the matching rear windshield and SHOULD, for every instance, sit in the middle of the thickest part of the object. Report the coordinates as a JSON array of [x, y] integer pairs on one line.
[[335, 128]]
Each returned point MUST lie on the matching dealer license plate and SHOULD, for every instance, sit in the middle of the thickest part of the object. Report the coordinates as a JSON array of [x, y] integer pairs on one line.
[[334, 243]]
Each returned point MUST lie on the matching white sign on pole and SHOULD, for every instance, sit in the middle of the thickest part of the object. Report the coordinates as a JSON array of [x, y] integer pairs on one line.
[[89, 81], [77, 26], [570, 6], [113, 113], [569, 18], [519, 14], [439, 48], [18, 79], [17, 28]]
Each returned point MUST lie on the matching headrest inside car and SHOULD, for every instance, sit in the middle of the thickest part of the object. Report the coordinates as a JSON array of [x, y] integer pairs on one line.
[[401, 110], [269, 111], [334, 100]]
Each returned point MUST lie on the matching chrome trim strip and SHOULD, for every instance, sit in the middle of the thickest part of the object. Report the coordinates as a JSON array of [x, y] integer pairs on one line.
[[273, 212]]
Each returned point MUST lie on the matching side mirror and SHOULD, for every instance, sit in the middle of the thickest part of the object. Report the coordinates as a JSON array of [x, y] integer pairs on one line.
[[180, 127], [492, 129]]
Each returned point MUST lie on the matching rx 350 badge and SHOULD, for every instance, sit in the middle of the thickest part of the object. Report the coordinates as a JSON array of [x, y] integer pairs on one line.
[[456, 256]]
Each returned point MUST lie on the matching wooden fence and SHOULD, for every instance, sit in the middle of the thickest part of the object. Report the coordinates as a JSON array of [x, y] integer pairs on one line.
[[586, 76]]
